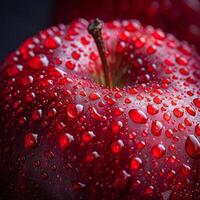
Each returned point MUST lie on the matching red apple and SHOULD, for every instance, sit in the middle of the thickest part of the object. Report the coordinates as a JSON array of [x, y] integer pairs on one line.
[[69, 130], [181, 17]]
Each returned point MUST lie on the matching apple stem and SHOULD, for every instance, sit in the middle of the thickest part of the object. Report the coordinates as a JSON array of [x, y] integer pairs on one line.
[[95, 28]]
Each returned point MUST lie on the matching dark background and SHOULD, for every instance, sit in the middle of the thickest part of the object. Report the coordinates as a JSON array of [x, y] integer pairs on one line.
[[20, 19]]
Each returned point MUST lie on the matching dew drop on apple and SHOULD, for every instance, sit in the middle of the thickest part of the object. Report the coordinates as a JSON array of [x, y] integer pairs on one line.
[[135, 184], [166, 116], [60, 126], [27, 80], [44, 175], [52, 42], [118, 111], [132, 135], [36, 115], [22, 120], [76, 185], [181, 61], [74, 110], [136, 163], [90, 157], [116, 127], [87, 136], [156, 128], [197, 129], [190, 110], [169, 133], [141, 145], [29, 97], [30, 140], [93, 56], [149, 190], [70, 65], [75, 55], [151, 49], [49, 154], [117, 146], [152, 109], [65, 140], [38, 62], [170, 175], [196, 102], [157, 100], [52, 112], [185, 170], [158, 34], [37, 163], [94, 114], [94, 96], [13, 70], [121, 179], [158, 151], [84, 41], [138, 116], [187, 122], [192, 147], [178, 112]]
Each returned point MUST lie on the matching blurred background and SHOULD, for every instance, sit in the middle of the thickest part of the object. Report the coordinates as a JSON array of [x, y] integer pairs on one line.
[[21, 19]]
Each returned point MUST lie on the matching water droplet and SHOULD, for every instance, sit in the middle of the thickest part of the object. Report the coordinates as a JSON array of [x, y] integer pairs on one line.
[[117, 146], [185, 170], [52, 42], [38, 62], [121, 179], [65, 140], [152, 109], [169, 133], [197, 102], [75, 55], [156, 128], [178, 112], [84, 41], [182, 61], [167, 116], [44, 175], [118, 111], [26, 80], [116, 127], [90, 157], [87, 136], [158, 151], [192, 147], [138, 116], [36, 115], [30, 97], [96, 115], [190, 110], [13, 70], [30, 140], [197, 129], [157, 100], [74, 110], [159, 34], [149, 190], [94, 96], [70, 65], [136, 163]]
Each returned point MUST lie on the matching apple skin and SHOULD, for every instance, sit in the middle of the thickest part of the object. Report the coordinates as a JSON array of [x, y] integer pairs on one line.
[[182, 18], [65, 136]]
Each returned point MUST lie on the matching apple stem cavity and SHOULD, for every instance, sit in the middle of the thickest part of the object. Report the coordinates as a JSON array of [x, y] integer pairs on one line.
[[95, 29]]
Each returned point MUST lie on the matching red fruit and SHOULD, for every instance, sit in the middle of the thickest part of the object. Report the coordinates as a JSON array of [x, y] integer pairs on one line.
[[66, 135], [181, 17]]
